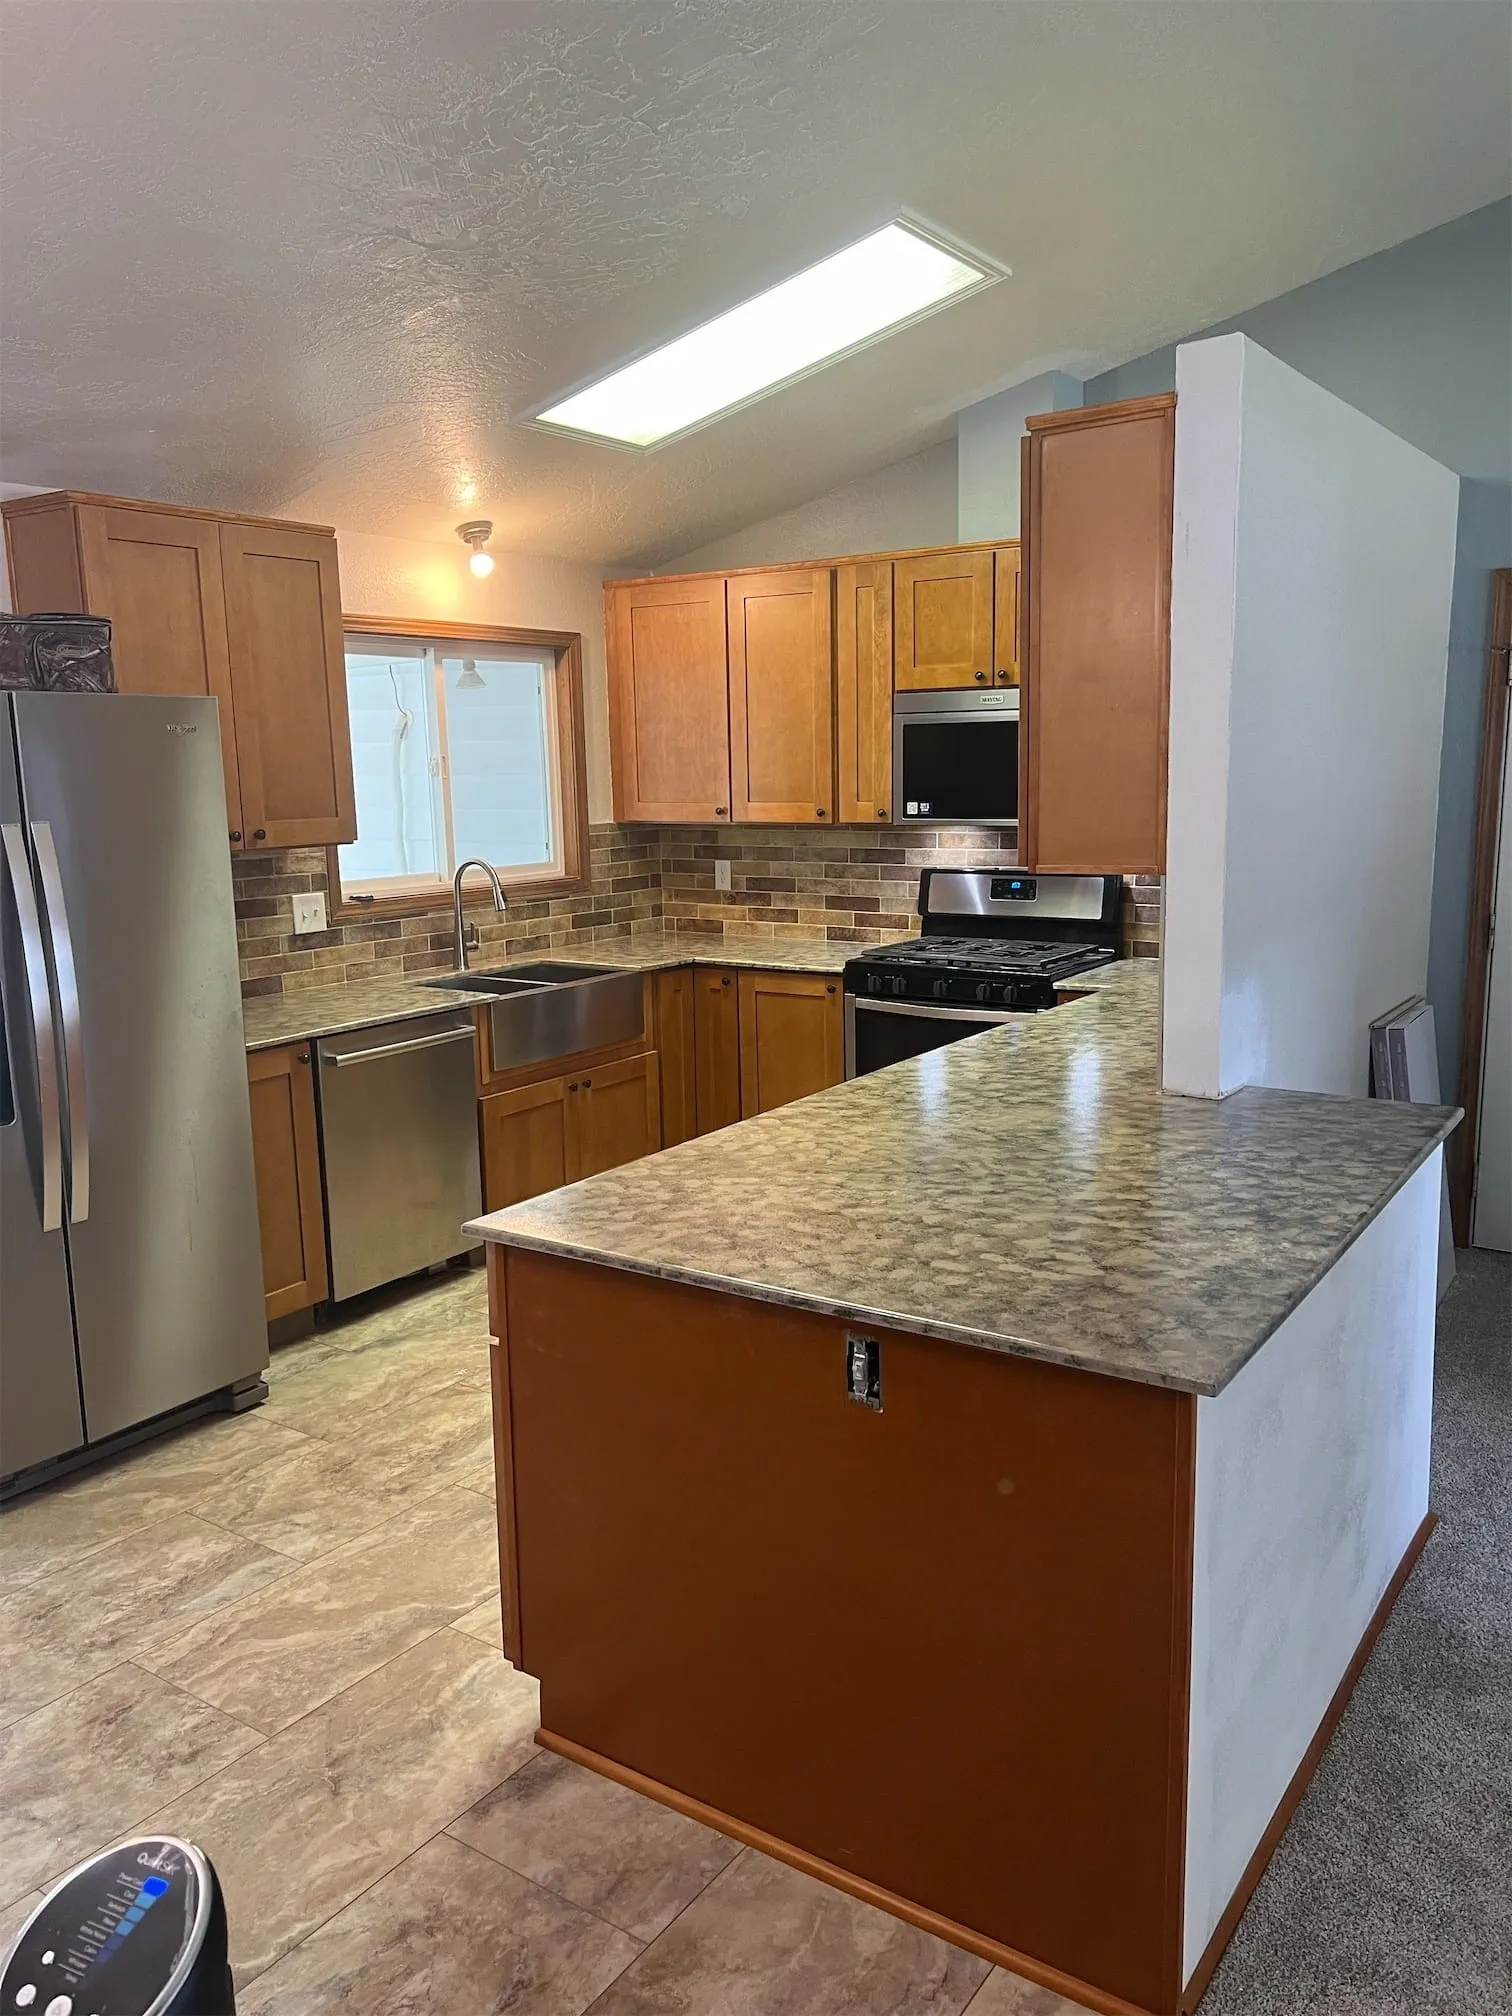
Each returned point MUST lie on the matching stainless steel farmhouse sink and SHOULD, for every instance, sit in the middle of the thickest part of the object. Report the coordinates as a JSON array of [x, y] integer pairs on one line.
[[551, 1008]]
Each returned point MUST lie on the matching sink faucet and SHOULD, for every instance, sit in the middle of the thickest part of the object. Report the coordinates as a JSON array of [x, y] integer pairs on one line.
[[459, 930]]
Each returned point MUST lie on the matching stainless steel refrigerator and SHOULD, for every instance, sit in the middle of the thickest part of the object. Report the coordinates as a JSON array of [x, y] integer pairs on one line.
[[130, 1266]]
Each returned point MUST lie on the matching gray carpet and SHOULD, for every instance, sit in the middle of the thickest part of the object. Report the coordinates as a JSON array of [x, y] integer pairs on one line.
[[1391, 1892]]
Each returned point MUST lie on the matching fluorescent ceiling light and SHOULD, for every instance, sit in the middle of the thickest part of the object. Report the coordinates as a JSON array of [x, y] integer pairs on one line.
[[893, 277]]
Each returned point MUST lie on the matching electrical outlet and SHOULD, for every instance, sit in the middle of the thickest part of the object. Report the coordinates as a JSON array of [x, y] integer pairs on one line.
[[310, 912], [721, 874]]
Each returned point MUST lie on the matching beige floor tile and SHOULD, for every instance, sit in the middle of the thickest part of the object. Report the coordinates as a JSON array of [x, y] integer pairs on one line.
[[434, 1437], [449, 1931], [338, 1397], [63, 1629], [61, 1523], [306, 1497], [764, 1940], [486, 1623], [1003, 1994], [343, 1616], [80, 1772], [596, 1843], [301, 1826]]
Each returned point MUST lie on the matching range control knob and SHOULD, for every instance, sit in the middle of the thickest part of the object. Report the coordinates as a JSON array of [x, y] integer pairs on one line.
[[991, 990], [874, 983], [941, 990], [900, 985]]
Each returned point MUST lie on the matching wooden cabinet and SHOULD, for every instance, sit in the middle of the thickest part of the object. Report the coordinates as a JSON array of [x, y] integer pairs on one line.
[[1005, 616], [676, 1055], [288, 684], [538, 1137], [716, 1029], [780, 627], [864, 689], [942, 618], [792, 1038], [669, 714], [246, 611], [1097, 541], [286, 1156]]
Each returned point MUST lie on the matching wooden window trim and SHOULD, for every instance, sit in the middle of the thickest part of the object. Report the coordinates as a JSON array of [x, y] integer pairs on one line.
[[566, 648]]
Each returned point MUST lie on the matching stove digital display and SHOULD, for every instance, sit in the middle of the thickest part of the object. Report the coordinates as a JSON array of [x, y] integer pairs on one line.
[[1013, 889]]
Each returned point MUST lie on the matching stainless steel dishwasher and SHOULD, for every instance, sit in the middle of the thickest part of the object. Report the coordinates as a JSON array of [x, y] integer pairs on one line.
[[399, 1141]]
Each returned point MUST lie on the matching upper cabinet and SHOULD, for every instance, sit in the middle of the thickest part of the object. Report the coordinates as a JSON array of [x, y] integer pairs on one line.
[[863, 689], [1097, 509], [955, 617], [782, 706], [669, 714], [245, 611]]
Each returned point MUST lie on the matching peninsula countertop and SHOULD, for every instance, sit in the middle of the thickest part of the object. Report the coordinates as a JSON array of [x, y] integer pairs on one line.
[[1027, 1190], [360, 1004]]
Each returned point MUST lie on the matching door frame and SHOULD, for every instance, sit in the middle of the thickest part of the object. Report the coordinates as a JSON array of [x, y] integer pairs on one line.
[[1493, 759]]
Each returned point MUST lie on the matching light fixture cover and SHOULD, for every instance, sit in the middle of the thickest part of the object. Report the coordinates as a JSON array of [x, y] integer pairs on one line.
[[476, 533], [882, 282], [481, 564]]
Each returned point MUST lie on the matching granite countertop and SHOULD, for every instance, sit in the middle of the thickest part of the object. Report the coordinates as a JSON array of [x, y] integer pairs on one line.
[[1027, 1190], [359, 1004]]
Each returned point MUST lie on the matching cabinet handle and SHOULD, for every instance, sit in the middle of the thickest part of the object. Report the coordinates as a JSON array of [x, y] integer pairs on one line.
[[821, 812], [981, 677], [830, 989], [260, 833], [573, 1086], [235, 836], [304, 1057], [881, 811], [587, 1084], [725, 981], [721, 811]]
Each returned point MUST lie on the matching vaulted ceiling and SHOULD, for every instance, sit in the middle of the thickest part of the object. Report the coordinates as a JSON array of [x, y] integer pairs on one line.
[[310, 258]]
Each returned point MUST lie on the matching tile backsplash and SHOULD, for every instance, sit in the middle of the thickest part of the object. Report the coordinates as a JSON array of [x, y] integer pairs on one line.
[[786, 882]]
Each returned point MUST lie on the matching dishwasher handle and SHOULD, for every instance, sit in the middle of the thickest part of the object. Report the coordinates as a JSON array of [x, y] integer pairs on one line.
[[345, 1057]]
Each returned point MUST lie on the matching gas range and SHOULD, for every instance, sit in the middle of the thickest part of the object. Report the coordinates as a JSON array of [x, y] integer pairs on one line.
[[995, 947]]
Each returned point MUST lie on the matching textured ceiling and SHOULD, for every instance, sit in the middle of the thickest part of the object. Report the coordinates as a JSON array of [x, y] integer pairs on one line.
[[309, 255]]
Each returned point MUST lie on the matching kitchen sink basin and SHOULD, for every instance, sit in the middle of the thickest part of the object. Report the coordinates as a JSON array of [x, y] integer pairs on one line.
[[550, 1008]]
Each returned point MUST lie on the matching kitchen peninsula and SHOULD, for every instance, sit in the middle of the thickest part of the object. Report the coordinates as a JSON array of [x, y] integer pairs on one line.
[[954, 1482]]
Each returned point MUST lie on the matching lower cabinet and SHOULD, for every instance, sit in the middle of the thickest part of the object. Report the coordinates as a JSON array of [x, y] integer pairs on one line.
[[540, 1136], [792, 1038], [286, 1155], [716, 1047]]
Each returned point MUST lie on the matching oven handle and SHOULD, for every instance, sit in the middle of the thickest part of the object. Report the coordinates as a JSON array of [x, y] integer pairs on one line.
[[941, 1014]]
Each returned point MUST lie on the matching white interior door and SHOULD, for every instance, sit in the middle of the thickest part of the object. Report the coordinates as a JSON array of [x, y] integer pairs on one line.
[[1491, 1219]]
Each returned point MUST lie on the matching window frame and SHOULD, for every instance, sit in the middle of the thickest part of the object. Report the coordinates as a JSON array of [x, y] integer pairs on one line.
[[565, 649]]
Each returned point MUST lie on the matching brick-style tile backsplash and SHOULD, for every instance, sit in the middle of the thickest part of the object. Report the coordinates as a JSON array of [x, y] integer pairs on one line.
[[786, 882]]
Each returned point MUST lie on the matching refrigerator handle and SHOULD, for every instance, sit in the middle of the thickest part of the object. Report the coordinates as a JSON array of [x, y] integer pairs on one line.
[[66, 975], [35, 960]]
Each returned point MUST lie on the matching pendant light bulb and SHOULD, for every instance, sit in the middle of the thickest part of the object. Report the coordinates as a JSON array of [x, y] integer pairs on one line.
[[476, 533]]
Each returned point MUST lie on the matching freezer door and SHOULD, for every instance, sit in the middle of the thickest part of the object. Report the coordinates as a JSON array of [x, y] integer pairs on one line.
[[40, 1415], [127, 792]]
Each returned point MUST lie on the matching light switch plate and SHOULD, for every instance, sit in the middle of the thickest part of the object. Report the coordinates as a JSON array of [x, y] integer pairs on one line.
[[721, 874], [310, 912]]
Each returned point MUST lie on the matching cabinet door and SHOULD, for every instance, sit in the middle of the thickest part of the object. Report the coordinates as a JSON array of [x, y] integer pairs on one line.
[[792, 1038], [286, 1156], [614, 1115], [676, 1056], [1097, 529], [288, 684], [669, 716], [525, 1143], [782, 707], [716, 1046], [942, 619], [157, 575], [864, 689], [1005, 615]]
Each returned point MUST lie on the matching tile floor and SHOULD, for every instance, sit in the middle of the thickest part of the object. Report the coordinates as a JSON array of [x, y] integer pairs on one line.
[[279, 1636]]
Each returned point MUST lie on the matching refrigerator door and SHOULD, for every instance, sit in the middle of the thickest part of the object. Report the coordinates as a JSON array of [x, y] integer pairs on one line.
[[40, 1415], [125, 793]]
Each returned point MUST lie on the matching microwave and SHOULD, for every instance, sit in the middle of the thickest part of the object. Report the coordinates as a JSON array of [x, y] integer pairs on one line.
[[956, 757]]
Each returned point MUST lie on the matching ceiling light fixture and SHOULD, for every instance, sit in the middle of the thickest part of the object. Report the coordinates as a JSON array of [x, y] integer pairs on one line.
[[470, 679], [476, 533], [870, 289]]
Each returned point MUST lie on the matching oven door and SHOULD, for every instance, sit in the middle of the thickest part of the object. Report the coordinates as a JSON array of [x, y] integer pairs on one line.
[[878, 1033], [956, 759]]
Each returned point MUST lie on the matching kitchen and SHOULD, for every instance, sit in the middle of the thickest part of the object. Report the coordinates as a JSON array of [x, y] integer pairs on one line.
[[708, 853]]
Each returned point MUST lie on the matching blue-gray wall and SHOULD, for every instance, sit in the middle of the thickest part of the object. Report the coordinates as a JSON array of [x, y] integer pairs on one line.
[[1419, 337]]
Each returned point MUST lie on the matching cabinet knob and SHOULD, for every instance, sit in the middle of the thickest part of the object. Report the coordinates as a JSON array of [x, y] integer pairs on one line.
[[573, 1086], [1005, 678], [881, 811], [820, 812], [304, 1056], [587, 1084], [981, 677], [260, 833], [830, 989], [721, 811], [725, 981], [235, 836]]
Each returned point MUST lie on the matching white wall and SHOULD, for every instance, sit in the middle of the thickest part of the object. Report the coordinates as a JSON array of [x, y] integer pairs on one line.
[[909, 503], [1312, 1478], [988, 435], [1314, 557]]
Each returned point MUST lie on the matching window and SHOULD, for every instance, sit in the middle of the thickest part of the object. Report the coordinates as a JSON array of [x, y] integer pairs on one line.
[[463, 747]]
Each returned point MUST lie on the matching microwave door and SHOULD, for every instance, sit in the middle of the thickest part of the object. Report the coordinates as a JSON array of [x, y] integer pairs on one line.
[[957, 769]]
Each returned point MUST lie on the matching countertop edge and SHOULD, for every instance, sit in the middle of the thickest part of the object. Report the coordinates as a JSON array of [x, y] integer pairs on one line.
[[1005, 1342]]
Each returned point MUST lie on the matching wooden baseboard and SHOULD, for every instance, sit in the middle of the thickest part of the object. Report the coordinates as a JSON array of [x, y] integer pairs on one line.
[[1228, 1924], [841, 1879]]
